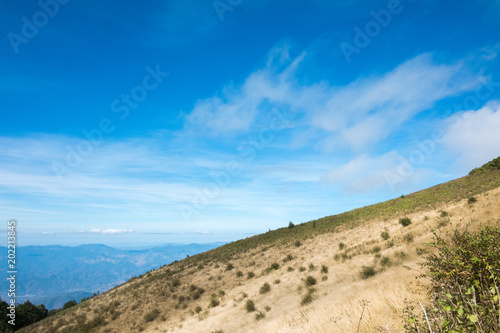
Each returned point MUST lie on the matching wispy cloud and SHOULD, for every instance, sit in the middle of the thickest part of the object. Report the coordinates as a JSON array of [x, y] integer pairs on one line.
[[355, 116], [110, 231], [474, 135]]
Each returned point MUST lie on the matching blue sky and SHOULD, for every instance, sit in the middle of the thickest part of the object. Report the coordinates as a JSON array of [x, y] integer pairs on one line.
[[201, 121]]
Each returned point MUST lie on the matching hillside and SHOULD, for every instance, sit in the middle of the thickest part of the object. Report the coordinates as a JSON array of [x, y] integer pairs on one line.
[[351, 272]]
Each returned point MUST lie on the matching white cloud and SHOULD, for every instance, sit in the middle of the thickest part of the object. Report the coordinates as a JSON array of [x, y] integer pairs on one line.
[[110, 231], [475, 136], [354, 116]]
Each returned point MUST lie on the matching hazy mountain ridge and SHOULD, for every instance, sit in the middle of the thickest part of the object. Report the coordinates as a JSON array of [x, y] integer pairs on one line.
[[55, 274]]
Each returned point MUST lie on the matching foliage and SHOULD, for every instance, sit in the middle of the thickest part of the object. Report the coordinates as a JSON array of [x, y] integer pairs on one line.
[[250, 306], [465, 284], [310, 281], [385, 235], [491, 165], [367, 271], [291, 225], [405, 221], [324, 269], [151, 315], [265, 288]]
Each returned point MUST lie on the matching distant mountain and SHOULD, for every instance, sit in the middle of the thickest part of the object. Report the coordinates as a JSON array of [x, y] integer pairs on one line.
[[53, 275]]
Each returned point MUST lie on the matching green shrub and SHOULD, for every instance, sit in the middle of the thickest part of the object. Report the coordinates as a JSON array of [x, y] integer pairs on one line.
[[291, 225], [471, 200], [250, 275], [259, 315], [312, 267], [367, 271], [302, 268], [324, 269], [198, 309], [385, 235], [151, 315], [376, 249], [405, 221], [214, 302], [307, 298], [289, 269], [289, 257], [464, 278], [229, 267], [385, 261], [265, 288], [239, 273], [250, 306], [341, 246], [275, 266], [310, 281], [297, 243]]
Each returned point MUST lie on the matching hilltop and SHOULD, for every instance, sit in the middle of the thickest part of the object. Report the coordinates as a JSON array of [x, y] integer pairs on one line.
[[351, 272]]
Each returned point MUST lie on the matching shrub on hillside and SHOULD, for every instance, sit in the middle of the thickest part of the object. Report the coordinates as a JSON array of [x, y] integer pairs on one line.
[[266, 287], [385, 235], [405, 221], [310, 281], [367, 271], [151, 315], [465, 276], [250, 306]]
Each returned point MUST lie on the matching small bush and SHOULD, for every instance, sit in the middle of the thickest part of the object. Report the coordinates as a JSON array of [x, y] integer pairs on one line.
[[176, 282], [277, 281], [291, 225], [239, 273], [324, 278], [367, 271], [302, 268], [267, 308], [385, 235], [310, 281], [297, 243], [390, 244], [471, 200], [265, 288], [376, 249], [289, 257], [312, 267], [275, 266], [307, 298], [250, 275], [259, 315], [324, 269], [214, 302], [229, 267], [250, 306], [198, 309], [405, 221], [341, 246], [151, 315], [443, 213], [289, 269], [386, 261]]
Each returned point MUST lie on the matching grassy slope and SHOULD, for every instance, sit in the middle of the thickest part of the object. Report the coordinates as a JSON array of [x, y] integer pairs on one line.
[[454, 190], [127, 305]]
